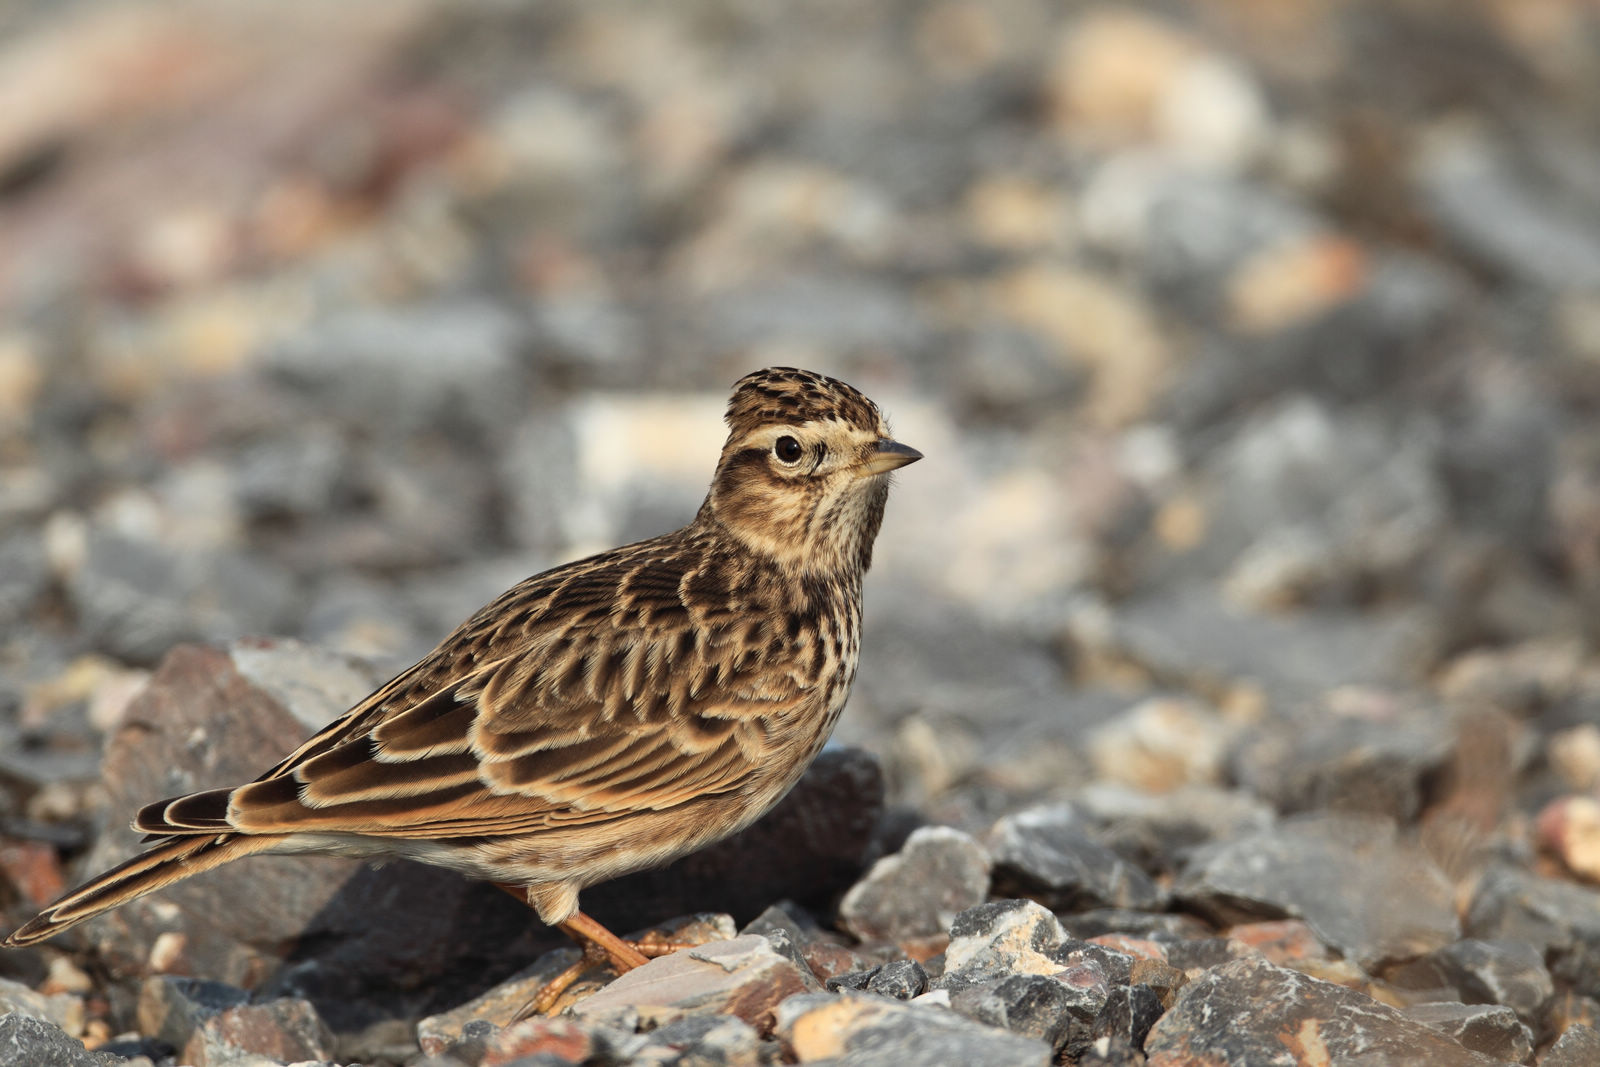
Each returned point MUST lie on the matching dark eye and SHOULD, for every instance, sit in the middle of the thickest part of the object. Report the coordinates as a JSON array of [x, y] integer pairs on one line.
[[787, 449]]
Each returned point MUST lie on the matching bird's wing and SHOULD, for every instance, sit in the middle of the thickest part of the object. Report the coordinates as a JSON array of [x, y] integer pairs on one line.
[[630, 682]]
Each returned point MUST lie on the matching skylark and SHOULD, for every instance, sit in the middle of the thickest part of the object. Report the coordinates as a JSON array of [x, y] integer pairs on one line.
[[605, 716]]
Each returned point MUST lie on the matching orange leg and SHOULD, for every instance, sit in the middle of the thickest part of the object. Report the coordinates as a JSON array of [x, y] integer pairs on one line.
[[600, 946]]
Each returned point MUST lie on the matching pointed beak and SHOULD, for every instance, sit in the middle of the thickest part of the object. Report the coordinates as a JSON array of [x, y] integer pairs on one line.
[[888, 456]]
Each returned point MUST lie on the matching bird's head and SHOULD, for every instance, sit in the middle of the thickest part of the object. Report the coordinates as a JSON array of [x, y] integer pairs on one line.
[[804, 474]]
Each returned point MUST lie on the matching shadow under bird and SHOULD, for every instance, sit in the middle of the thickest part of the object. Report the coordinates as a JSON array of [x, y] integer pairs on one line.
[[602, 717]]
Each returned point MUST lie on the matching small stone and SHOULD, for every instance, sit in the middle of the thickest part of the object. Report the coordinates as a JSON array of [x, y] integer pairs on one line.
[[1559, 919], [1347, 763], [868, 1031], [998, 939], [1045, 853], [1491, 1029], [1498, 972], [1028, 1004], [25, 1040], [1578, 1046], [786, 937], [745, 976], [1155, 829], [917, 892], [1325, 869], [1129, 1013], [901, 979], [171, 1009], [287, 1029], [64, 1010], [1251, 1011]]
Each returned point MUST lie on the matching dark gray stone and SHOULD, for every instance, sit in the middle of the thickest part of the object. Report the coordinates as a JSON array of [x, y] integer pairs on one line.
[[1491, 1029], [1252, 1012], [1129, 1013], [1328, 870], [1498, 972], [24, 1040], [1343, 763], [785, 935], [918, 891], [1046, 853], [1156, 829], [1558, 918], [1032, 1005], [901, 979]]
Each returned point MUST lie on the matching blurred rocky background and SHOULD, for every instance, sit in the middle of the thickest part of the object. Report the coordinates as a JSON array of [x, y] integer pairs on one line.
[[1243, 613]]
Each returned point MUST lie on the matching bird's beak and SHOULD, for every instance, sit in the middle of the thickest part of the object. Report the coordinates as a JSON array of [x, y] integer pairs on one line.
[[888, 456]]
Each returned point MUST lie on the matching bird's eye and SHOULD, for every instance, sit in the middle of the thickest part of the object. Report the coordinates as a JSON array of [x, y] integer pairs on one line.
[[787, 449]]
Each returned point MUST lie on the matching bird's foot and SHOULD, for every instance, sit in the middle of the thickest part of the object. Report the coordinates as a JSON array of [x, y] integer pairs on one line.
[[601, 948]]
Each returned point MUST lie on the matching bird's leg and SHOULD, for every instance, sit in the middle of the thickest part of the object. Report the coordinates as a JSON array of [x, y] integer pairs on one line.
[[600, 946]]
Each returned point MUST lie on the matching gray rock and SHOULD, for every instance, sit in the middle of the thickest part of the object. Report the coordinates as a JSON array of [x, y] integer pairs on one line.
[[787, 938], [1028, 1004], [405, 370], [1491, 1029], [1359, 887], [1129, 1013], [1156, 829], [1251, 1012], [744, 976], [64, 1010], [1558, 918], [901, 979], [24, 576], [1046, 853], [1500, 212], [25, 1040], [1192, 637], [917, 892], [1343, 763], [1506, 972], [136, 599], [1579, 1046], [862, 1030]]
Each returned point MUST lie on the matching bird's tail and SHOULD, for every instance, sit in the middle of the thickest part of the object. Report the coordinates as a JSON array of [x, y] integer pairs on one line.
[[171, 860]]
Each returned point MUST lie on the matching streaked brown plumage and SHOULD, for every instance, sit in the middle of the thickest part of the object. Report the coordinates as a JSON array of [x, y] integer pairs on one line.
[[601, 717]]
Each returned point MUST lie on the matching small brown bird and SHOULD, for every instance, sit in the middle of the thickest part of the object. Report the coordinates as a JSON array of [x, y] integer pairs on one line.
[[606, 716]]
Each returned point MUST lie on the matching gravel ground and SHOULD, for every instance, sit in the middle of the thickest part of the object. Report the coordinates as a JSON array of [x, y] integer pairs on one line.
[[1231, 656]]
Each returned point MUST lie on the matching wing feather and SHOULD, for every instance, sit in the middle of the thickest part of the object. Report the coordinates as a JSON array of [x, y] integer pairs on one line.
[[586, 693]]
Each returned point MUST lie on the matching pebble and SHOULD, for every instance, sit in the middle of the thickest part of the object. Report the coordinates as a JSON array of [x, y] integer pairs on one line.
[[917, 892], [1047, 853], [879, 1031], [1252, 1011], [1323, 868]]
